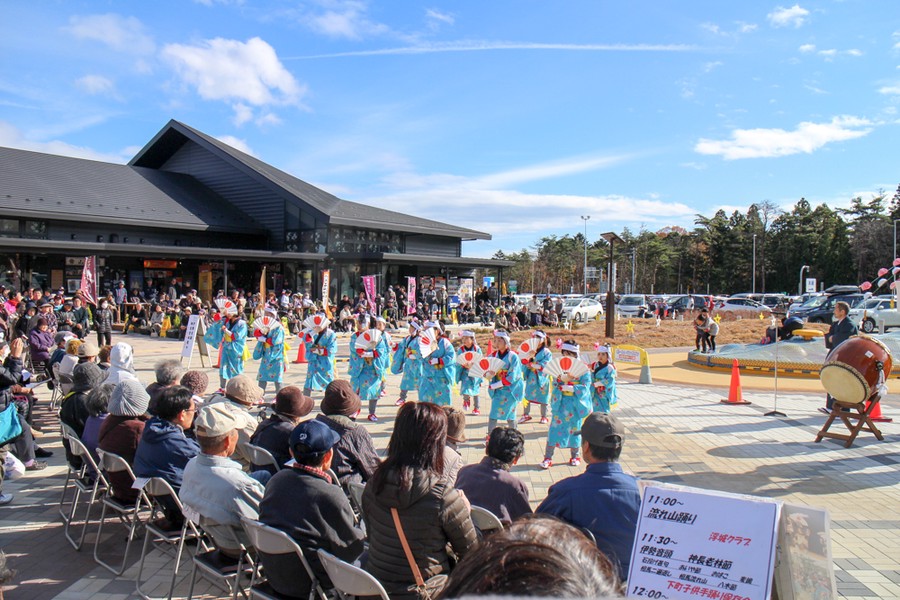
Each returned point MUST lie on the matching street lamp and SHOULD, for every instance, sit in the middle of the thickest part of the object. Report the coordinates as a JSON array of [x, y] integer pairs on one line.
[[585, 219], [633, 251], [800, 285], [754, 263], [611, 238]]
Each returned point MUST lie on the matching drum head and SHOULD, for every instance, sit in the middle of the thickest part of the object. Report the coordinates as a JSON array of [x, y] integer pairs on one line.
[[844, 382]]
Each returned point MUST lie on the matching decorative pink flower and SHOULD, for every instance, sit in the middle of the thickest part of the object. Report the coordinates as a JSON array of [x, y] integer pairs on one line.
[[882, 272], [865, 286], [894, 285], [897, 262]]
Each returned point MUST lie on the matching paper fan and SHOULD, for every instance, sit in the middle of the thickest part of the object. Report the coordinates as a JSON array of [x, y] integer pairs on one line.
[[226, 306], [485, 365], [368, 339], [427, 342], [468, 358], [527, 348], [316, 322], [306, 335], [574, 367], [266, 323]]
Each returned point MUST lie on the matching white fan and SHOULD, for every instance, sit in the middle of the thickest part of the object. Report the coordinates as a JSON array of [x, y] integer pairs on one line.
[[486, 365], [468, 358], [565, 364], [528, 348], [306, 335], [316, 322], [265, 324], [226, 306], [368, 339], [427, 342]]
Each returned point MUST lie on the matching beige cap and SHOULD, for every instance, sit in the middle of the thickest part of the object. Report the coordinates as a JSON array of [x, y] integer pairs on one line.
[[88, 349], [215, 419], [243, 390]]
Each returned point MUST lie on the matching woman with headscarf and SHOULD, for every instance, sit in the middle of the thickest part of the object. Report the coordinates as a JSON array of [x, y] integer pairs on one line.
[[121, 359]]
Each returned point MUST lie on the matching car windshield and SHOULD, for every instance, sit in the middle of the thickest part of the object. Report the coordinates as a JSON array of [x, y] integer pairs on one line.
[[870, 303], [814, 302], [572, 302], [632, 300]]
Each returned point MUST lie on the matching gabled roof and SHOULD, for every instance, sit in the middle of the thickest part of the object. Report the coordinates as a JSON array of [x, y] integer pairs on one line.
[[334, 209], [75, 189]]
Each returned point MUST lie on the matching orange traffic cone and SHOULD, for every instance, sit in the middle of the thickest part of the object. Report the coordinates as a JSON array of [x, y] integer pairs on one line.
[[876, 415], [490, 347], [219, 360], [734, 392], [301, 354]]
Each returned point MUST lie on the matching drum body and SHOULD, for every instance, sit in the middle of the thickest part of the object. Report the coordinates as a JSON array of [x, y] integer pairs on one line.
[[855, 368]]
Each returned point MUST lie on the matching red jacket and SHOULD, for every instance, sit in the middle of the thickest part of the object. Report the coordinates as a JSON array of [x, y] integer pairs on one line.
[[120, 435]]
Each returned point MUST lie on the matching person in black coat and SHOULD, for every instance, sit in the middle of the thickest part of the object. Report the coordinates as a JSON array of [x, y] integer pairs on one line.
[[274, 433], [841, 329]]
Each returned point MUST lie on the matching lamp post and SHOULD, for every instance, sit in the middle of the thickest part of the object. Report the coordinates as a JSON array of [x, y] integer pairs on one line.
[[633, 251], [754, 263], [611, 238], [800, 285], [585, 219]]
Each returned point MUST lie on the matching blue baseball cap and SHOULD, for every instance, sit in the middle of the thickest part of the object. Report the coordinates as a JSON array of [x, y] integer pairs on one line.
[[313, 437]]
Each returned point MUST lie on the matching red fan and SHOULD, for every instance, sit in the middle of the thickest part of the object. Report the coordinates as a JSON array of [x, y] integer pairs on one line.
[[265, 324], [427, 342], [316, 322], [368, 339], [226, 306], [528, 348], [573, 367], [467, 359], [486, 367]]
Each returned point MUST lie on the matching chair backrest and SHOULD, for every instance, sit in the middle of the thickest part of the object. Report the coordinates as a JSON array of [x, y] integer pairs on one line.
[[77, 448], [485, 520], [67, 431], [350, 580], [268, 539], [356, 490], [258, 456], [113, 463], [157, 487]]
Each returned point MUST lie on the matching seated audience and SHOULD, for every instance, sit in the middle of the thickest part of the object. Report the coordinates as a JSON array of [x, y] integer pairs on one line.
[[97, 404], [121, 431], [168, 373], [197, 382], [355, 458], [490, 485], [456, 434], [121, 359], [305, 503], [73, 410], [274, 433], [241, 394]]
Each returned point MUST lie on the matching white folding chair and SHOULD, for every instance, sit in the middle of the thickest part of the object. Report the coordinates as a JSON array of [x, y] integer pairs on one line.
[[72, 472], [129, 515], [350, 581], [211, 564], [268, 540], [88, 480], [157, 489], [258, 456], [485, 521]]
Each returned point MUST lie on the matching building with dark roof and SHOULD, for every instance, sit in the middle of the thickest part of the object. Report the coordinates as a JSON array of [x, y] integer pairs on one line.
[[192, 208]]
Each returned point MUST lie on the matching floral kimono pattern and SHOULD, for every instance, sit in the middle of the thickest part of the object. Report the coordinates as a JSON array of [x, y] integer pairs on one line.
[[408, 360], [506, 387], [366, 372], [571, 403], [537, 385], [269, 351], [438, 375], [603, 390], [468, 386], [233, 339], [320, 354]]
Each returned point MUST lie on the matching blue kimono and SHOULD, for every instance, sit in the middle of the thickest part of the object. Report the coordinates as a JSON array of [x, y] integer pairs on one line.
[[232, 363], [606, 376], [438, 375], [569, 410], [321, 349], [506, 396], [366, 373], [408, 360], [537, 385], [468, 386], [270, 352]]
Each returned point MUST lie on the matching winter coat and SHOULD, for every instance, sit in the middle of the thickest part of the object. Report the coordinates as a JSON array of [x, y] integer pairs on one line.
[[355, 458], [120, 435], [40, 343], [274, 435], [164, 451], [103, 320]]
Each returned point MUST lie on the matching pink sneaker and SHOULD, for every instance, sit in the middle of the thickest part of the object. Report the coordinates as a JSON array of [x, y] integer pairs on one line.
[[524, 419], [546, 463], [466, 405], [544, 420], [575, 462], [373, 418], [399, 402], [475, 411]]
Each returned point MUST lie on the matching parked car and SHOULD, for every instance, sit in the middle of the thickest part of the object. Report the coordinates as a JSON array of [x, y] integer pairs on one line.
[[679, 304], [869, 313], [581, 309], [633, 305], [819, 309], [743, 307]]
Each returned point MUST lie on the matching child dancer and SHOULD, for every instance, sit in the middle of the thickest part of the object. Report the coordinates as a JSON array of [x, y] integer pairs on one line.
[[269, 351], [571, 404], [537, 385], [603, 390], [507, 386], [408, 360], [321, 348], [367, 368], [438, 369], [469, 386]]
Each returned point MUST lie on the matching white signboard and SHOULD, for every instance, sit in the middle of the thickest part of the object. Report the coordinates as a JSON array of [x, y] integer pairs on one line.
[[810, 285], [628, 356], [196, 329], [694, 543]]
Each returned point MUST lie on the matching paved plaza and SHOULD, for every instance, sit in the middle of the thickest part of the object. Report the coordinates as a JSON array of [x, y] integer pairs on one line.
[[676, 434]]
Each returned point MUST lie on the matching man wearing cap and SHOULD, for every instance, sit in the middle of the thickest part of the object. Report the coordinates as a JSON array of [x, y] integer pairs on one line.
[[274, 434], [216, 487], [45, 312], [355, 458], [604, 499], [241, 394], [306, 504]]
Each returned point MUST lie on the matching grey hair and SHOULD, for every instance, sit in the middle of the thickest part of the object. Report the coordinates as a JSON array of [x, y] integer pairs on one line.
[[168, 371], [97, 401]]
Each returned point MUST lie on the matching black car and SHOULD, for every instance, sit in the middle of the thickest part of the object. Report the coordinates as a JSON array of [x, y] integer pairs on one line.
[[820, 309]]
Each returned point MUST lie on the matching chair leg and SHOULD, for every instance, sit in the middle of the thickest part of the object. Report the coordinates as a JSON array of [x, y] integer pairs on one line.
[[87, 517], [62, 497], [131, 521]]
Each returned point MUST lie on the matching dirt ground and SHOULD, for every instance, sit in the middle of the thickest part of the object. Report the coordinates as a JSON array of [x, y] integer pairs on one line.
[[669, 334]]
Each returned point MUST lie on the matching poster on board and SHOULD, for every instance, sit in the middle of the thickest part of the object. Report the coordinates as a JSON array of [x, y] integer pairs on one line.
[[196, 329], [804, 569]]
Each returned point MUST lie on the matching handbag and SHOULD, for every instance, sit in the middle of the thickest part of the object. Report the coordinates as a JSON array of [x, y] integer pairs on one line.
[[426, 590], [10, 426]]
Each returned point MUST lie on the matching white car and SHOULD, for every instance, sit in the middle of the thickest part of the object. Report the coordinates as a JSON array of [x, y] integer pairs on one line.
[[868, 314], [632, 305], [743, 307], [581, 309]]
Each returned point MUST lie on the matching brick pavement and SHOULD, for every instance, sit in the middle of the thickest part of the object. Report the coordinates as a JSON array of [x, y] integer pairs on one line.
[[676, 434]]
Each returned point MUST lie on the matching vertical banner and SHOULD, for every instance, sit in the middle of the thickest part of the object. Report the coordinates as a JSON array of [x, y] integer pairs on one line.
[[326, 290], [466, 289], [369, 285], [89, 280], [410, 295]]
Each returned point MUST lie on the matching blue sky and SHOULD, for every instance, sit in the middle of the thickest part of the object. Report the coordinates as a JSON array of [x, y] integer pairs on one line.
[[511, 117]]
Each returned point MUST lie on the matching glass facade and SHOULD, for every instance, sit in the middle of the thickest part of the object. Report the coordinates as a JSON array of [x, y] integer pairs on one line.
[[302, 231], [360, 241]]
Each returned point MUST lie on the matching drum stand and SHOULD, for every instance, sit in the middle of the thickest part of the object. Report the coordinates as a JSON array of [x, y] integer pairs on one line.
[[775, 412], [861, 416]]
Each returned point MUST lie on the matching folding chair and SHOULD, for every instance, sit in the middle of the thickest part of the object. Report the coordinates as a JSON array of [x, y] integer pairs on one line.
[[129, 515], [355, 491], [268, 540], [485, 521], [96, 487], [350, 581], [157, 488], [66, 383], [862, 416], [56, 393], [258, 456], [212, 564], [73, 471]]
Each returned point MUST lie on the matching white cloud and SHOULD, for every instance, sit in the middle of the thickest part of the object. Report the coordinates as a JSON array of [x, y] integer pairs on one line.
[[711, 66], [96, 85], [890, 90], [830, 53], [248, 74], [794, 16], [747, 27], [236, 143], [712, 28], [12, 137], [437, 18], [764, 143], [125, 34], [342, 19], [806, 48], [854, 52]]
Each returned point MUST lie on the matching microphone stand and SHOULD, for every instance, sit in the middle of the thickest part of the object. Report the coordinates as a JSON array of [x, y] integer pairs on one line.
[[775, 412]]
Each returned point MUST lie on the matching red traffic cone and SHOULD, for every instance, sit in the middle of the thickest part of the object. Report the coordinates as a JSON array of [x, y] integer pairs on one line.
[[490, 347], [876, 415], [301, 354], [219, 360], [734, 391]]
